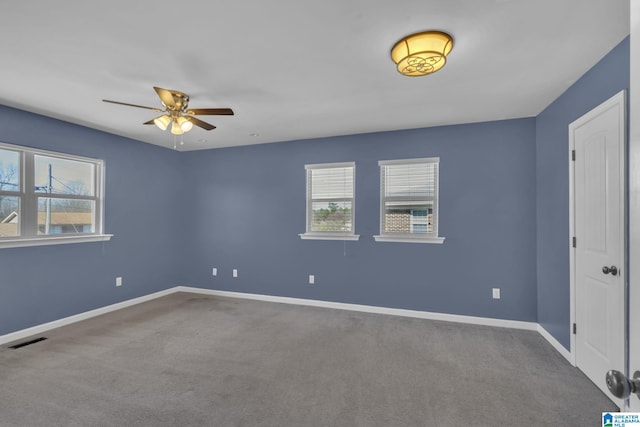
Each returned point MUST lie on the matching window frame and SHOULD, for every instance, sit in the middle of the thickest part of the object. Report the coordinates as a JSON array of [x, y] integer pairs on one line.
[[329, 235], [432, 237], [28, 201]]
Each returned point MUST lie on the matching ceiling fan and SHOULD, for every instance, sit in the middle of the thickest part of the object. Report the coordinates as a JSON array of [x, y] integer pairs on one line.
[[176, 112]]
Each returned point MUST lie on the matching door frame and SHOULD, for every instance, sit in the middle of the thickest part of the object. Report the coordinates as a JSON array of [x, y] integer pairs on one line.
[[633, 362], [618, 99]]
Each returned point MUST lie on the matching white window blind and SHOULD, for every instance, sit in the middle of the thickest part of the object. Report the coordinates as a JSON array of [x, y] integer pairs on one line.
[[412, 181], [330, 201], [409, 200], [331, 183]]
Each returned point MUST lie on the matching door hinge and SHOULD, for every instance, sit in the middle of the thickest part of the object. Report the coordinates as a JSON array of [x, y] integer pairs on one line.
[[575, 328], [573, 155], [574, 242]]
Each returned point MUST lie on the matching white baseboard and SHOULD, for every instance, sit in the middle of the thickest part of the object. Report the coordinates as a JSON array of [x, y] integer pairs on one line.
[[556, 344], [39, 329], [515, 324], [486, 321]]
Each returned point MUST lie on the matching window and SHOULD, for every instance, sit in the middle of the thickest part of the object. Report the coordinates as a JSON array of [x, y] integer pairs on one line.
[[409, 201], [10, 171], [49, 198], [330, 201]]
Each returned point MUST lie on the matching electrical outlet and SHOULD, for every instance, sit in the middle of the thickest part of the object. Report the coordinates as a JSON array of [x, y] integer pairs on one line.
[[235, 272], [312, 279], [496, 293], [214, 271], [118, 281]]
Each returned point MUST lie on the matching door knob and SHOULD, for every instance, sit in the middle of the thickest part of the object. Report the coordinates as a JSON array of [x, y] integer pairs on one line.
[[613, 270], [621, 386]]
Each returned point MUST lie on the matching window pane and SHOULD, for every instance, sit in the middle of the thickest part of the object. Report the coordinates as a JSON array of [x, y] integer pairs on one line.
[[9, 170], [332, 183], [414, 180], [331, 216], [63, 176], [9, 216], [65, 216], [408, 217]]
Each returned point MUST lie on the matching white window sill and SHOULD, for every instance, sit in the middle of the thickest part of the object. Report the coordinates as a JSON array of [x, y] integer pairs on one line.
[[328, 236], [409, 239], [52, 240]]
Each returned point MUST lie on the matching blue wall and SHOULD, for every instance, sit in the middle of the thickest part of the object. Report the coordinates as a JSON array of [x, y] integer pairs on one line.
[[605, 79], [41, 284], [249, 206]]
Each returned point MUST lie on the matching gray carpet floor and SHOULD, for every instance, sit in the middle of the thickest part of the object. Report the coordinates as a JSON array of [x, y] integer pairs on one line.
[[194, 360]]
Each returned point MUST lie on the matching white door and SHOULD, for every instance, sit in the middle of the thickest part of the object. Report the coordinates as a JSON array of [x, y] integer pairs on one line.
[[634, 202], [599, 227]]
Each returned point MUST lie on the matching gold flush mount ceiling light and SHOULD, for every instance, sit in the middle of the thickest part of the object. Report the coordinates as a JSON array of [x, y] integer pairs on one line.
[[422, 53]]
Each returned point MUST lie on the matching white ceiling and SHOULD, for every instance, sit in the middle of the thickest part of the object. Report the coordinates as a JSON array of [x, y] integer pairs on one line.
[[295, 69]]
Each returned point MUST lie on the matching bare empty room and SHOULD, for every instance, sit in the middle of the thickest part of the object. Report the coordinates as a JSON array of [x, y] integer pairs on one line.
[[413, 213]]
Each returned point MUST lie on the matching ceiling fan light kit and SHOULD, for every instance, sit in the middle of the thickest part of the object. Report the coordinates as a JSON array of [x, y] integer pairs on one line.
[[180, 125], [185, 124], [176, 112], [175, 129], [422, 53], [162, 122]]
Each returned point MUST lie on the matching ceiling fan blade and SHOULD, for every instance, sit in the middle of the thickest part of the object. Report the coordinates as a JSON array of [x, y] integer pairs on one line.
[[210, 111], [198, 122], [132, 105], [166, 96], [150, 122]]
